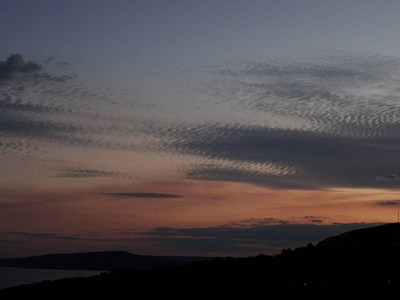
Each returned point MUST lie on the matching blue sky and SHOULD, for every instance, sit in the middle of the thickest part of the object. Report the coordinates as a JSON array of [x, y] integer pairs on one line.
[[129, 37], [128, 124]]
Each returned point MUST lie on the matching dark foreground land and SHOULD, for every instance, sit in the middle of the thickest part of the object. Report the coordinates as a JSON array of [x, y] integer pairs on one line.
[[359, 263]]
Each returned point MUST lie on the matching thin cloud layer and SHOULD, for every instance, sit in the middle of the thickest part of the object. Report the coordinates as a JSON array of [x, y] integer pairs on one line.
[[330, 120], [143, 195], [390, 203], [41, 111], [85, 173], [305, 158], [326, 121], [261, 238], [258, 238], [339, 93]]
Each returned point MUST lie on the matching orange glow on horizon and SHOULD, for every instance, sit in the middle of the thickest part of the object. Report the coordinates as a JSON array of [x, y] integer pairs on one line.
[[98, 214]]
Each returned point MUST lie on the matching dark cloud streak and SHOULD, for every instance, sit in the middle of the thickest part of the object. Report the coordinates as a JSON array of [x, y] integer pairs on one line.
[[143, 195], [16, 65], [338, 123], [319, 160], [262, 238], [87, 173], [390, 203]]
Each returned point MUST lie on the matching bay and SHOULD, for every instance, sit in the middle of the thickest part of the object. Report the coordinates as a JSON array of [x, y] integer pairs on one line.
[[16, 276]]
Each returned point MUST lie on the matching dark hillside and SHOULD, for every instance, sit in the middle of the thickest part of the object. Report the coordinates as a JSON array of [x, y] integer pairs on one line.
[[373, 239], [359, 263]]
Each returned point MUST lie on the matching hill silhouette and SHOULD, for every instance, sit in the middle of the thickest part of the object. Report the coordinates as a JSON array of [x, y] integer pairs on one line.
[[380, 238], [363, 262]]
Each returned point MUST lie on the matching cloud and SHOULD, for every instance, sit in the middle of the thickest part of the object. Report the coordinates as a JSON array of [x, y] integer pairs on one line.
[[44, 129], [388, 177], [390, 203], [15, 68], [143, 195], [52, 236], [341, 93], [28, 101], [301, 159], [84, 173], [322, 121], [254, 222], [39, 108], [261, 238], [328, 120], [314, 219], [23, 237], [49, 60], [16, 65]]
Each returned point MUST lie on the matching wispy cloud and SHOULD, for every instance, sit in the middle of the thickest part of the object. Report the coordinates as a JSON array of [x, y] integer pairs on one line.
[[300, 158], [328, 120], [340, 93], [83, 173], [52, 236], [388, 177], [40, 110], [390, 203], [143, 195]]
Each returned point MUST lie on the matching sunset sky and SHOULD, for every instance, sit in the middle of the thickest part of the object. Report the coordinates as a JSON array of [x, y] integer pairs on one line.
[[207, 127]]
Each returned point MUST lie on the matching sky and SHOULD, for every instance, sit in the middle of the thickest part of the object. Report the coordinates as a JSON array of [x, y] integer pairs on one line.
[[200, 128]]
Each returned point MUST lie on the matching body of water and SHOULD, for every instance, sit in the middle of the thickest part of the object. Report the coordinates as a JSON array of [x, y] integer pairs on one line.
[[17, 276]]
